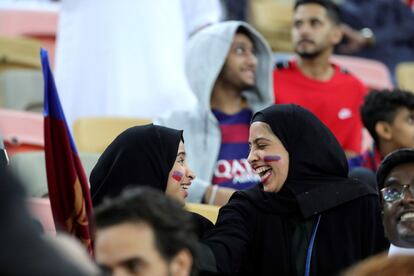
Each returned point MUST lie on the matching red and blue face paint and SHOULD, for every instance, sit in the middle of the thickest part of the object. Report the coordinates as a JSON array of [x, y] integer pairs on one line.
[[272, 158], [177, 176]]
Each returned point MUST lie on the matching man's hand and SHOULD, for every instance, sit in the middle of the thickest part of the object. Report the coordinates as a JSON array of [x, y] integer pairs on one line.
[[356, 40]]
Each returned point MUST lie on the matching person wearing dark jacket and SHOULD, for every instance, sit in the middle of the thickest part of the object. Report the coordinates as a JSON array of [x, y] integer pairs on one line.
[[306, 217], [378, 29], [24, 251], [147, 155]]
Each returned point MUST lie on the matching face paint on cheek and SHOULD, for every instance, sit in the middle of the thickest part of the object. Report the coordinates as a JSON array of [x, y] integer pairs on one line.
[[272, 158], [177, 176]]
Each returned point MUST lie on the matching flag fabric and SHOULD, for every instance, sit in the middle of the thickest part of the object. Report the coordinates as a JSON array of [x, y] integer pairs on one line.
[[67, 183]]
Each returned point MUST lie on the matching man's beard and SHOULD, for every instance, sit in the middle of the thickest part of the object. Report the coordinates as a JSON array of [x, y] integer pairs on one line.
[[309, 55]]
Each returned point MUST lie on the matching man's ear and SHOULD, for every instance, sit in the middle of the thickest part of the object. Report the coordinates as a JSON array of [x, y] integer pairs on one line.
[[182, 263], [336, 35], [383, 130]]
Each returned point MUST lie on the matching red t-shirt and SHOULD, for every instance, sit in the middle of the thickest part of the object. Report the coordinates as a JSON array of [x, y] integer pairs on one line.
[[335, 102]]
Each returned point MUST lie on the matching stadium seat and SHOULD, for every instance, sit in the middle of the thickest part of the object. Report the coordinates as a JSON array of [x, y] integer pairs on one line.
[[37, 22], [405, 76], [41, 211], [21, 131], [19, 52], [94, 134], [374, 74], [208, 211], [31, 169], [21, 81], [273, 18]]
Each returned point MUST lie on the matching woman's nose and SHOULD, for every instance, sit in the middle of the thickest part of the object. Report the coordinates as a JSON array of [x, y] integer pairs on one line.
[[251, 158], [190, 174]]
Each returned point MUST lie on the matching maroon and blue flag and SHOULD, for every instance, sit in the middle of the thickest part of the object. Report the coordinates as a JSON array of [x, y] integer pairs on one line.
[[68, 186]]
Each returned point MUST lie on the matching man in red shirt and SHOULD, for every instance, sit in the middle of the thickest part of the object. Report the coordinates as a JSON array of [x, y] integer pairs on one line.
[[313, 82]]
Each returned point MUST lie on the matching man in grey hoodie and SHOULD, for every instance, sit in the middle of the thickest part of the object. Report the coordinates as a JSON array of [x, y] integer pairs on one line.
[[228, 66]]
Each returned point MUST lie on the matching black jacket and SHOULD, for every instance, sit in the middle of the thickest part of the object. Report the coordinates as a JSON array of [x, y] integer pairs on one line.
[[263, 233], [250, 240]]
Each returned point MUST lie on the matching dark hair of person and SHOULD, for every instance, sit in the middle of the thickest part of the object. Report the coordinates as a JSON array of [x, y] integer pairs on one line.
[[331, 8], [382, 105], [246, 32], [172, 226], [392, 160]]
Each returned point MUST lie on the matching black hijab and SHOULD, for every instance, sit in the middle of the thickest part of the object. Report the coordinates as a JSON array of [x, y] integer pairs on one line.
[[318, 169], [141, 155]]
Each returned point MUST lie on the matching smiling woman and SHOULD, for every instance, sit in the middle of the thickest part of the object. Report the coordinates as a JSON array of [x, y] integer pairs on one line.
[[148, 155], [268, 157], [306, 213]]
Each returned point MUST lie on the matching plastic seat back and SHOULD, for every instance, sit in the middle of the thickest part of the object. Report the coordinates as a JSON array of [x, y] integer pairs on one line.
[[31, 169], [41, 211], [208, 211], [405, 76], [94, 134], [21, 131]]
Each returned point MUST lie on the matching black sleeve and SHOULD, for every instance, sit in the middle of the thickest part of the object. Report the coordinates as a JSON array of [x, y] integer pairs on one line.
[[231, 237], [201, 224], [376, 241]]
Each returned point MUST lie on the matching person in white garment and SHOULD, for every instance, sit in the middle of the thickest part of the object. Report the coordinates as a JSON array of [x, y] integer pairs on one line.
[[126, 58]]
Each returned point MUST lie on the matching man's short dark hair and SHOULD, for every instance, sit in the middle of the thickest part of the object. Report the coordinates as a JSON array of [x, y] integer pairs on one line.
[[395, 158], [172, 226], [382, 105], [331, 9]]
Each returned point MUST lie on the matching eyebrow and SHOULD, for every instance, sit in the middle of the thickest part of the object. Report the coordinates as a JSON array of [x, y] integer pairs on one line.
[[132, 260], [257, 140], [392, 181], [243, 44], [181, 153]]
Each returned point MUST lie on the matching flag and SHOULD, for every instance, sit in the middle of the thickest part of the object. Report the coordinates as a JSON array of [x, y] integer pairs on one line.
[[67, 183]]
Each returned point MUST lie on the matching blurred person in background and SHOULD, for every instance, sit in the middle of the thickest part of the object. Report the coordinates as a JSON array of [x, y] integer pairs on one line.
[[313, 82], [378, 29], [126, 58], [228, 66], [388, 115]]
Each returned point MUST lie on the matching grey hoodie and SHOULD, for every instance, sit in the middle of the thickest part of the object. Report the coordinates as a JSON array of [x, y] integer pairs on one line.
[[206, 54]]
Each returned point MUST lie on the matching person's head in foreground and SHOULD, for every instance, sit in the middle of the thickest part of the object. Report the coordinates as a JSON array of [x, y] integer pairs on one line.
[[383, 265], [143, 232], [148, 155], [396, 181]]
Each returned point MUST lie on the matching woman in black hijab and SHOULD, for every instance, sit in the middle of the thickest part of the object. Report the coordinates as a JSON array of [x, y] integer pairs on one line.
[[141, 155], [306, 217], [148, 155]]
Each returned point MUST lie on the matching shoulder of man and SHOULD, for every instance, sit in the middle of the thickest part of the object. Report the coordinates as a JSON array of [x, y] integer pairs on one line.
[[282, 65], [351, 77], [344, 70]]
